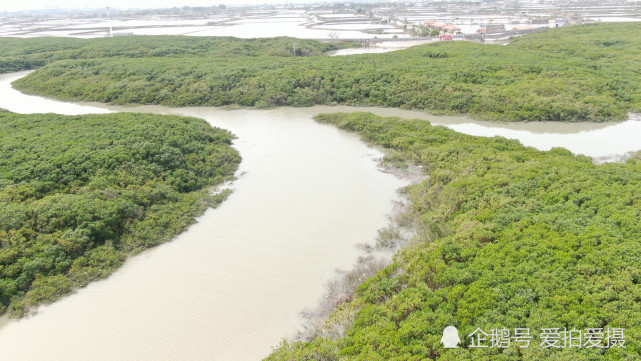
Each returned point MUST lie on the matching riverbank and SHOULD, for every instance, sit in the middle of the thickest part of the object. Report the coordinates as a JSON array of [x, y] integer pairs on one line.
[[603, 142], [506, 236], [172, 277], [79, 196], [234, 283], [581, 73]]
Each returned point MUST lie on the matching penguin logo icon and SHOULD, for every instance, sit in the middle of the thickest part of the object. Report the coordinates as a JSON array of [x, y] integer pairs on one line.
[[450, 337]]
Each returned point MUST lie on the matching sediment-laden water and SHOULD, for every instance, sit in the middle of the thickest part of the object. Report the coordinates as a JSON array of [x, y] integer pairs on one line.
[[234, 284]]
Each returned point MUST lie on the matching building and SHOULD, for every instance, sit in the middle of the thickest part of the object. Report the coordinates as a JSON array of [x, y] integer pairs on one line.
[[443, 28], [491, 28], [555, 23], [451, 29]]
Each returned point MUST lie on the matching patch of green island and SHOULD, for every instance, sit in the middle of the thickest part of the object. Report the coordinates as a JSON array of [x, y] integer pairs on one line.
[[24, 54], [80, 194], [580, 73], [506, 237]]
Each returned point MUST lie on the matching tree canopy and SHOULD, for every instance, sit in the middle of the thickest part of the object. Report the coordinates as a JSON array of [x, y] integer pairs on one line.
[[79, 194], [580, 73], [507, 236], [24, 54]]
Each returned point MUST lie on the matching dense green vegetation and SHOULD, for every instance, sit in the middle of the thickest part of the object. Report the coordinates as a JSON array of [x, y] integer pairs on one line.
[[507, 237], [24, 54], [78, 194], [590, 72]]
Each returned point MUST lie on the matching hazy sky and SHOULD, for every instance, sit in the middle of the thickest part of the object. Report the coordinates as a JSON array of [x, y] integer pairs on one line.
[[12, 5]]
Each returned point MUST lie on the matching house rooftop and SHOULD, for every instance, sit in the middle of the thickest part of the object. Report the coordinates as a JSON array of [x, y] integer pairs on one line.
[[451, 27]]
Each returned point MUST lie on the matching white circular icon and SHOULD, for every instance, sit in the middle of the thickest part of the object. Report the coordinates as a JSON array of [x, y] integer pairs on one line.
[[450, 337]]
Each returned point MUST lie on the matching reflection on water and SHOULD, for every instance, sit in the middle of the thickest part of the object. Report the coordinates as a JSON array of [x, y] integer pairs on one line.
[[605, 144], [233, 285]]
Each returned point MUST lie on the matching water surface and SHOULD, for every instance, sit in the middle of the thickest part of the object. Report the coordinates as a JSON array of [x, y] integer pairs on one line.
[[234, 284]]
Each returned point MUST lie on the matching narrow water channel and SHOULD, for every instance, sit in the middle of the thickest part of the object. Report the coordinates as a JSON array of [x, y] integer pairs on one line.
[[234, 284]]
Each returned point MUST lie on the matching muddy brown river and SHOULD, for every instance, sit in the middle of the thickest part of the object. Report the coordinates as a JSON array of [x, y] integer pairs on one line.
[[234, 284]]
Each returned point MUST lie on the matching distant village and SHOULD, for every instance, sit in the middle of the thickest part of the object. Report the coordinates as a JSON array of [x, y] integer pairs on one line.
[[472, 20], [498, 31]]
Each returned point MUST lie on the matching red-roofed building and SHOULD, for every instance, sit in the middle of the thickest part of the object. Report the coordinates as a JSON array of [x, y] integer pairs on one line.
[[443, 28], [451, 29]]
